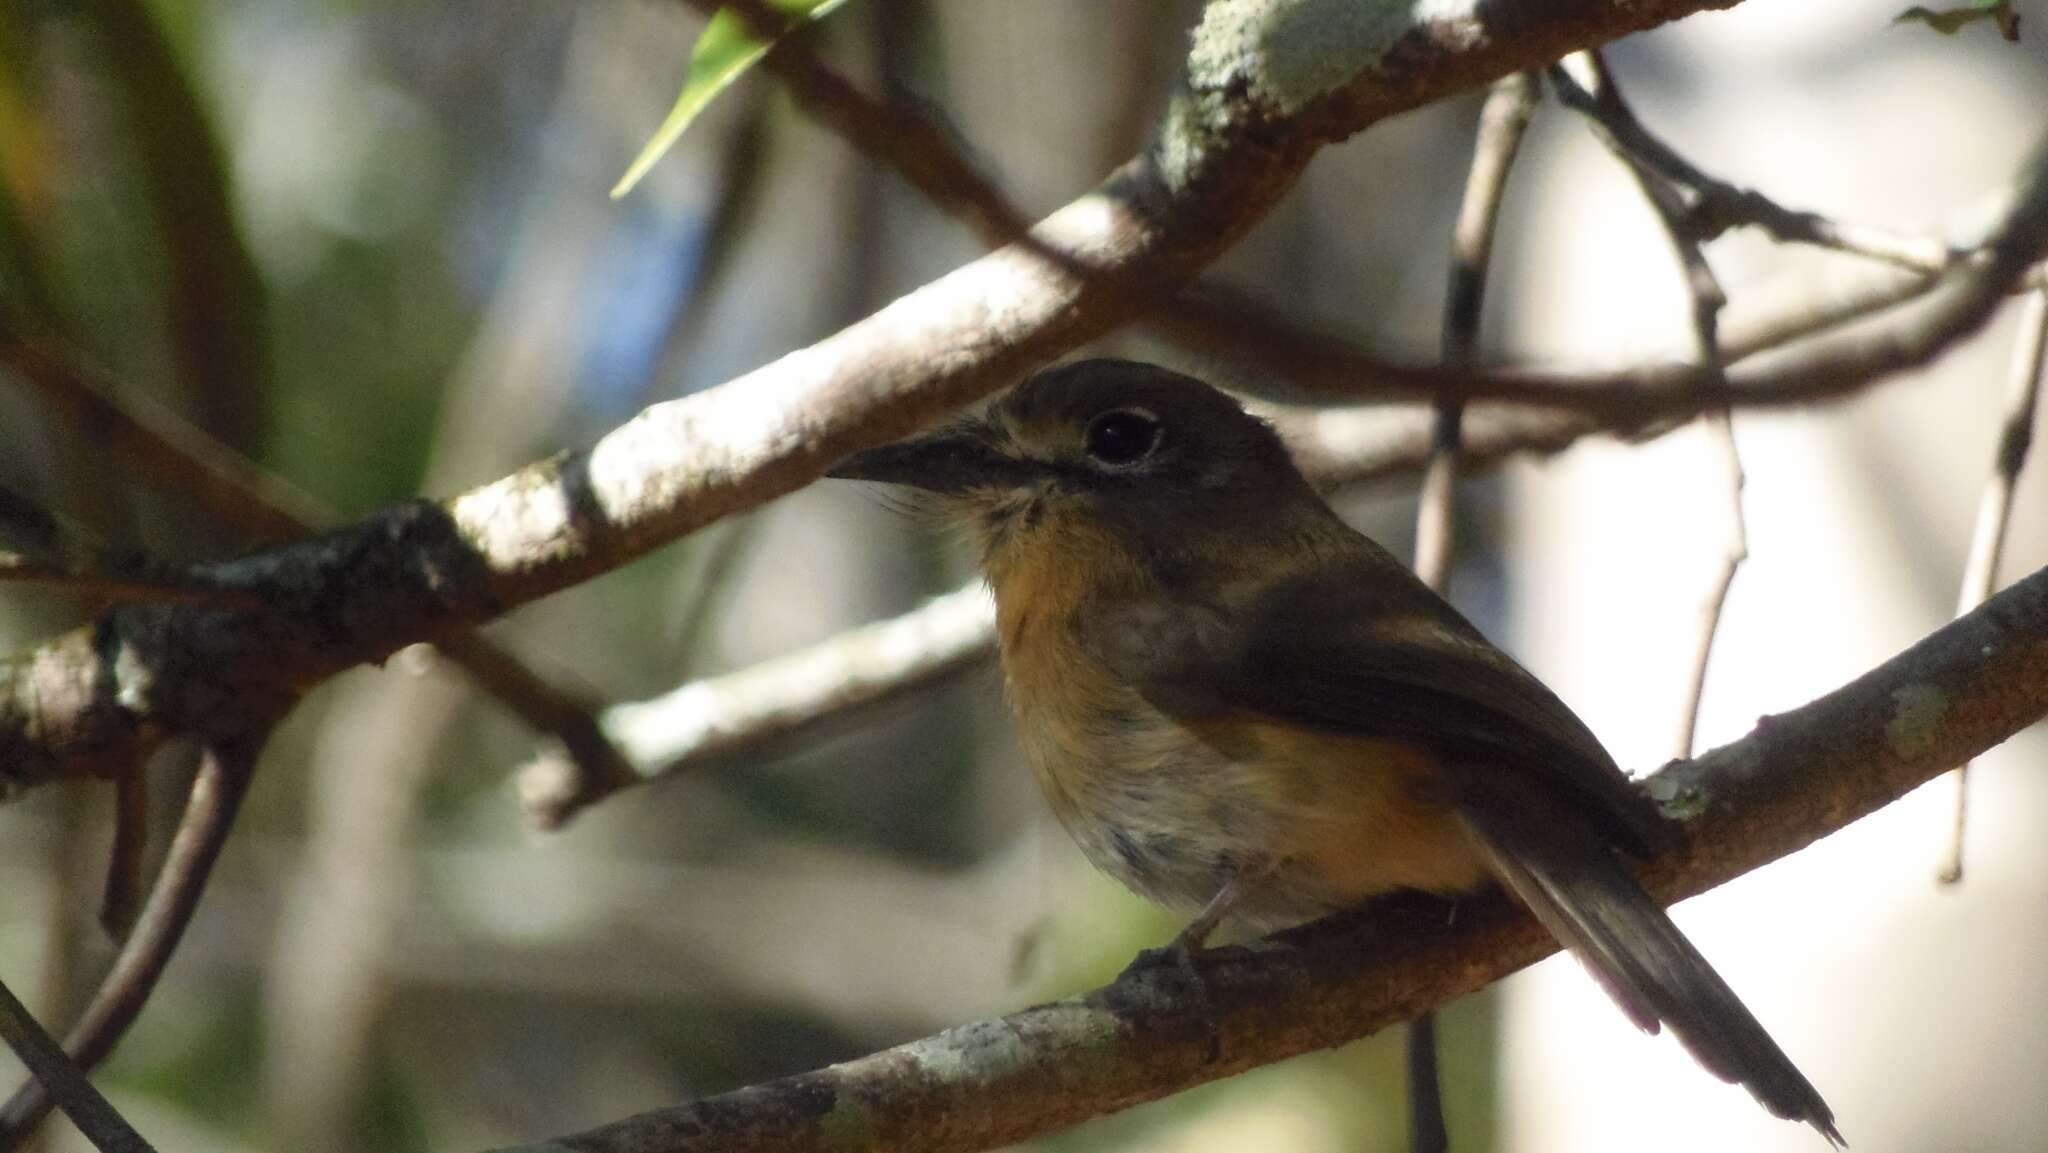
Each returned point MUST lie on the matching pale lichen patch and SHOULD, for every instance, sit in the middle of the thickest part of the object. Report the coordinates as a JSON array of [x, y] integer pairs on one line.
[[1914, 724], [1676, 800], [848, 1126], [1286, 54], [989, 1051]]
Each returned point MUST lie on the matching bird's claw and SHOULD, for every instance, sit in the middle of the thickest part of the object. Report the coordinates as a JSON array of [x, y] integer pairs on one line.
[[1179, 955]]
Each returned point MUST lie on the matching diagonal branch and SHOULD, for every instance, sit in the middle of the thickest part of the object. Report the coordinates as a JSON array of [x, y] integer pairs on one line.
[[1797, 777], [217, 792], [54, 1070], [783, 697]]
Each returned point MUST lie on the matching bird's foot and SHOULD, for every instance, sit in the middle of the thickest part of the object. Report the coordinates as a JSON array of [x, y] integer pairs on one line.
[[1179, 955]]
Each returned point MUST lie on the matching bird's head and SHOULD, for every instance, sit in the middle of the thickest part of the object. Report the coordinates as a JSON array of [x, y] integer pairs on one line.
[[1154, 459]]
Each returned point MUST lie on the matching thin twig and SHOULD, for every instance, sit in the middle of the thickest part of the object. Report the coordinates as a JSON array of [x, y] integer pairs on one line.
[[176, 453], [1708, 206], [121, 897], [216, 797], [1994, 515], [784, 697], [109, 584], [1806, 773], [1735, 550], [64, 1081], [1592, 91], [902, 135], [1503, 120], [1309, 365]]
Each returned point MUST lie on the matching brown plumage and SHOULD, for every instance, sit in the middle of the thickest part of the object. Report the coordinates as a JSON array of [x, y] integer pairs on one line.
[[1236, 703]]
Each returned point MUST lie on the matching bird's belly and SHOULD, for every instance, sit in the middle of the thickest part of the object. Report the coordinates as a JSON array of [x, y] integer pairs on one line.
[[1321, 822]]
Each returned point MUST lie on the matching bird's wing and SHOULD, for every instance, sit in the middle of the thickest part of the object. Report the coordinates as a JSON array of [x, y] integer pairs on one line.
[[1366, 649]]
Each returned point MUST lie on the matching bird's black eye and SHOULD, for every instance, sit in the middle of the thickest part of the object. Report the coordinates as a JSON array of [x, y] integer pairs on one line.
[[1122, 436]]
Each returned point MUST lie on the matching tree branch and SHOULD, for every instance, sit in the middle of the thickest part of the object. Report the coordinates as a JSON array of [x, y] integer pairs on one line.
[[1797, 777], [47, 1062], [782, 697], [217, 792]]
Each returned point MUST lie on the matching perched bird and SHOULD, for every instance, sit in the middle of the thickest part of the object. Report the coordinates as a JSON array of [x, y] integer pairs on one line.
[[1238, 704]]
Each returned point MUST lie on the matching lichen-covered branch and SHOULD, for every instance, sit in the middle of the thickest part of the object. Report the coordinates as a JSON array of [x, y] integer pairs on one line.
[[1799, 776]]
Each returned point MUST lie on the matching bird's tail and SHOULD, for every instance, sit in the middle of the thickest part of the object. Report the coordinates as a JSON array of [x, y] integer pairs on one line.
[[1550, 857]]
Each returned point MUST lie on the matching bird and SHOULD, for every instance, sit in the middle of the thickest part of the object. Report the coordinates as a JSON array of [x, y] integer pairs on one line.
[[1240, 706]]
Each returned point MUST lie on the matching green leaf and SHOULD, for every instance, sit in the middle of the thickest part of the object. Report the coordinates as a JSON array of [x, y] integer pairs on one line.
[[1949, 21], [726, 48]]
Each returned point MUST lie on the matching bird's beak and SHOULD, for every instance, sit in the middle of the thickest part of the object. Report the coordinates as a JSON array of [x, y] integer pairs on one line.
[[948, 463]]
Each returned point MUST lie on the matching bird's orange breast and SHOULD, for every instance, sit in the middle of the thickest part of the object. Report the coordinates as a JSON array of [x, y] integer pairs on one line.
[[1174, 806]]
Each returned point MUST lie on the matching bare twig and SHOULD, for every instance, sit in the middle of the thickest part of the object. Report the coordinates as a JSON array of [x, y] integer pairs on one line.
[[217, 792], [1503, 120], [110, 584], [1960, 304], [1592, 91], [1707, 206], [782, 697], [1797, 777], [1310, 365], [176, 453], [901, 134], [1735, 550], [121, 897], [1994, 514], [73, 1091]]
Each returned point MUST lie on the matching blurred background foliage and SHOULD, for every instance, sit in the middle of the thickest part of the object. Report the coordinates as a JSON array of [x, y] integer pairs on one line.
[[368, 244]]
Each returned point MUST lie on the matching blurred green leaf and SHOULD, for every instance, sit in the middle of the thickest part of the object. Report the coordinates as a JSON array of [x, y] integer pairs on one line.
[[1949, 21], [725, 49]]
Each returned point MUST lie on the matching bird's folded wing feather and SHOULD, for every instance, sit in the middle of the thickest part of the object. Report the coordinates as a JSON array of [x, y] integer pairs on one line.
[[1372, 652]]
